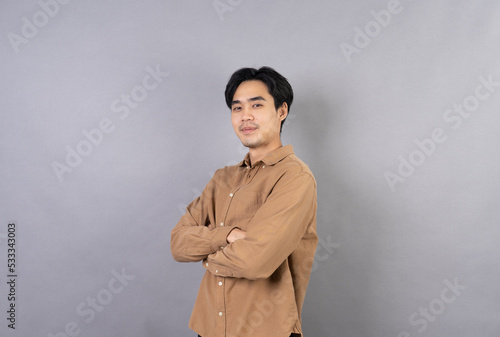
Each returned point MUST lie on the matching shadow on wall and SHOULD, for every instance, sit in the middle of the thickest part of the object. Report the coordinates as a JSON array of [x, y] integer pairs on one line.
[[348, 220]]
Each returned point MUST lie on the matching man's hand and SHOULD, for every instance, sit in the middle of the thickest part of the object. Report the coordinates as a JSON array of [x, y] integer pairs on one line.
[[236, 234]]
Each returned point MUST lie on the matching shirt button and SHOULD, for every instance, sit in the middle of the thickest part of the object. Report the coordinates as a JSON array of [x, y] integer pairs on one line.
[[220, 283], [222, 223], [220, 313], [248, 167], [216, 271], [263, 166], [206, 264], [231, 195]]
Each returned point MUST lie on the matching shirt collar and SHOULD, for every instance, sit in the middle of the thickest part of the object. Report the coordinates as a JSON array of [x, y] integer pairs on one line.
[[271, 158]]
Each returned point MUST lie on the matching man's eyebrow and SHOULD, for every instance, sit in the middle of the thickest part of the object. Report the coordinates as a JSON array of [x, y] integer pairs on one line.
[[252, 99], [258, 98]]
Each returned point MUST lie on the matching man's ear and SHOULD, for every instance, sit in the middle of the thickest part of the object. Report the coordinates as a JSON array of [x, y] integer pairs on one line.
[[283, 111]]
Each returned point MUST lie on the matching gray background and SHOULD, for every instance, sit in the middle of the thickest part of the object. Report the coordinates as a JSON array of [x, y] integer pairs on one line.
[[387, 258]]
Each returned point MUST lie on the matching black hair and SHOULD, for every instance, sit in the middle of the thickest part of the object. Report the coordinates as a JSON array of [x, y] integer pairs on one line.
[[277, 86]]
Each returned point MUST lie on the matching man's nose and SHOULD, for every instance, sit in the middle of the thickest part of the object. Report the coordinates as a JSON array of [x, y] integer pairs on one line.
[[246, 114]]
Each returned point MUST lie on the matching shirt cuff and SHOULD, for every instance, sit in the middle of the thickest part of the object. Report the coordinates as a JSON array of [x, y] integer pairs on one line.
[[219, 239]]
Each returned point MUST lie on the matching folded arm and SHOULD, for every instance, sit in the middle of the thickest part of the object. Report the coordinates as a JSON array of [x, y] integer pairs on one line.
[[193, 238], [273, 234]]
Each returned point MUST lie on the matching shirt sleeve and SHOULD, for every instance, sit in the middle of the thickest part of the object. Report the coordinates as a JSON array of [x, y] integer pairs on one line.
[[274, 232], [196, 236]]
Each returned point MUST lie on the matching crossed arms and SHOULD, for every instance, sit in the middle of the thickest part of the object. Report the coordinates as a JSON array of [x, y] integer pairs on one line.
[[272, 234]]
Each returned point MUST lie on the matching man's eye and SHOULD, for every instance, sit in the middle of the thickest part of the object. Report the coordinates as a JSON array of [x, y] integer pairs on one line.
[[236, 108], [257, 105]]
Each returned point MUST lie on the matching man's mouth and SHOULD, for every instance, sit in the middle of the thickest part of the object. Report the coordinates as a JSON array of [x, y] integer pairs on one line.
[[248, 129]]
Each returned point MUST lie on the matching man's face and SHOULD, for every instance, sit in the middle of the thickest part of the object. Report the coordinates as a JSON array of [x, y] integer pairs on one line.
[[255, 118]]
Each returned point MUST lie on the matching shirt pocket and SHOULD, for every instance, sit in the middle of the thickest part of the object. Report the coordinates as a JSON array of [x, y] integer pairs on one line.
[[243, 206]]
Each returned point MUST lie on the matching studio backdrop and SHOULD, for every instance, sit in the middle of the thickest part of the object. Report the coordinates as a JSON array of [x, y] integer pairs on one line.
[[113, 119]]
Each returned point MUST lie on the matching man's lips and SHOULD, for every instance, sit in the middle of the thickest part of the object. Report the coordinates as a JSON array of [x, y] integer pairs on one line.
[[248, 129]]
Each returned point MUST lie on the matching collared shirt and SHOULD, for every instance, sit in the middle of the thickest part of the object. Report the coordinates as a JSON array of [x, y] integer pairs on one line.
[[254, 286]]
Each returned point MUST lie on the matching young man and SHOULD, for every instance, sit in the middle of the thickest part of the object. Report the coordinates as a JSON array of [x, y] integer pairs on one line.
[[254, 225]]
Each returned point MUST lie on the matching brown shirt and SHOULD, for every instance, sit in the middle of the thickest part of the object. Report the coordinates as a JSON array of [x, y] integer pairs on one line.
[[254, 286]]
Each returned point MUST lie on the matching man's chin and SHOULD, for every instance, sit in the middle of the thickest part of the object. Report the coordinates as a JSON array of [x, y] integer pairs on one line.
[[249, 145]]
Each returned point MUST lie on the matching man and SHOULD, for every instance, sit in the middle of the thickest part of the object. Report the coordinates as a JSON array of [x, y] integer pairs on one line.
[[254, 225]]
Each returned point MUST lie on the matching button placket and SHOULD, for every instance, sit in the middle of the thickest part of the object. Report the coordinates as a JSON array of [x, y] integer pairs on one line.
[[220, 306]]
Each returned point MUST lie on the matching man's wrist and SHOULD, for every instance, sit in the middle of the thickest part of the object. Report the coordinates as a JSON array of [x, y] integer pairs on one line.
[[219, 240]]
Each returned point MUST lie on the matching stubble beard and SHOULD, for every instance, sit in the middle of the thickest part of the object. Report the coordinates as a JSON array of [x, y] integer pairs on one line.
[[250, 143]]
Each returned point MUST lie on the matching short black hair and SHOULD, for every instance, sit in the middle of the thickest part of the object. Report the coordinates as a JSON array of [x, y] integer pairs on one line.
[[277, 85]]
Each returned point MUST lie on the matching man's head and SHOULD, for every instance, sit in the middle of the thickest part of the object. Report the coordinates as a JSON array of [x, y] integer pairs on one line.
[[259, 101], [277, 86]]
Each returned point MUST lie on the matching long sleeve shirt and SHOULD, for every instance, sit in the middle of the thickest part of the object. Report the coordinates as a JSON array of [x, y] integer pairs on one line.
[[254, 286]]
